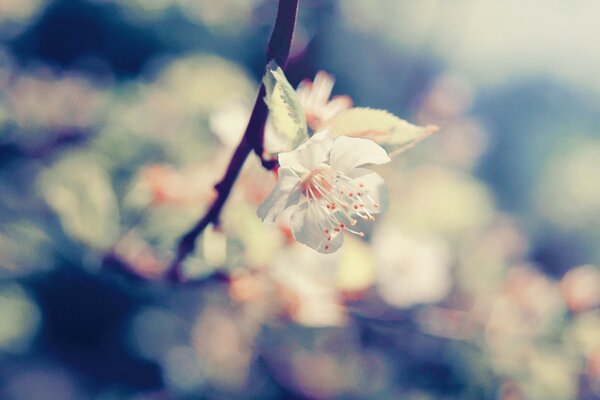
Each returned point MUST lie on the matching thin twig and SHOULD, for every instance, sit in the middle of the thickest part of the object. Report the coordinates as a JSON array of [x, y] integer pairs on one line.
[[278, 50]]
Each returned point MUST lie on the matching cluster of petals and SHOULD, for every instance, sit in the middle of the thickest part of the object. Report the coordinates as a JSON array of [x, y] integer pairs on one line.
[[329, 191]]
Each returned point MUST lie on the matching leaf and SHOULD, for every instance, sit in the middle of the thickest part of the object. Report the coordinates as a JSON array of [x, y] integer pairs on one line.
[[286, 113], [81, 194], [395, 135]]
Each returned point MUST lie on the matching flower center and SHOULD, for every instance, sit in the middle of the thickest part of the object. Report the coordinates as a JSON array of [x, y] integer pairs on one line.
[[318, 182], [337, 200]]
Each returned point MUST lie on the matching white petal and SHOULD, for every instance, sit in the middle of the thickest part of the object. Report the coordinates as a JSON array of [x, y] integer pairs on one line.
[[309, 154], [348, 153], [308, 228], [374, 188], [285, 193]]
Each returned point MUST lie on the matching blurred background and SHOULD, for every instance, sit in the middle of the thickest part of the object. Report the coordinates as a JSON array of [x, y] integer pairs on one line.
[[480, 282]]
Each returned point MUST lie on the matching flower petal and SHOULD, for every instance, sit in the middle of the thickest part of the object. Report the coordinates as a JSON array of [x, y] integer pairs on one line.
[[309, 154], [348, 153], [285, 193], [375, 190], [308, 228]]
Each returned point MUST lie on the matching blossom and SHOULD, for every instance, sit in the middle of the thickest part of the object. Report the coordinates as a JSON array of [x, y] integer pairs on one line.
[[411, 269], [330, 192], [315, 99]]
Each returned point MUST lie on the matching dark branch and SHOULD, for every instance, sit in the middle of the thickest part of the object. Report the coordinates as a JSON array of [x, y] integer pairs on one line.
[[278, 49]]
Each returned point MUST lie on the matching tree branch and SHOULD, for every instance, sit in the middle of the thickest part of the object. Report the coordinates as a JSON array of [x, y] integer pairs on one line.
[[278, 50]]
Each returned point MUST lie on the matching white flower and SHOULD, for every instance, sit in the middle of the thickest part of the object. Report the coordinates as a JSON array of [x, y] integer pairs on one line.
[[323, 180]]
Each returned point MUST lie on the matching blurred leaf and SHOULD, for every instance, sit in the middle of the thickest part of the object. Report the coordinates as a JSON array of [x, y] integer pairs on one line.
[[82, 196], [392, 133], [286, 113]]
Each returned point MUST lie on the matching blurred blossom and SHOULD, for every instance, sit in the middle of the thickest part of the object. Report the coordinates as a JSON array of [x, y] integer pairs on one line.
[[24, 247], [328, 363], [463, 139], [183, 370], [162, 184], [583, 332], [214, 246], [445, 322], [450, 96], [307, 282], [229, 122], [436, 200], [409, 269], [155, 331], [356, 268], [171, 109], [260, 241], [249, 285], [581, 288], [140, 256], [593, 370], [256, 182], [42, 100], [578, 200], [20, 319], [223, 345], [80, 192], [527, 305], [488, 252], [551, 374], [135, 111], [202, 81]]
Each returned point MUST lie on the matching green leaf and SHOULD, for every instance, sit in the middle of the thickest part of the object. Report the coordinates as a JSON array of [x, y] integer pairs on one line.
[[285, 111], [81, 194], [392, 133]]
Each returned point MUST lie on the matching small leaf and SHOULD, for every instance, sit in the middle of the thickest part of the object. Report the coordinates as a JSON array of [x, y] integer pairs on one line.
[[392, 133], [286, 113], [81, 194]]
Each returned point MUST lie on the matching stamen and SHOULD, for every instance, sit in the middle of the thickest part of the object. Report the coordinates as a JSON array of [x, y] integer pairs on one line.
[[325, 192]]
